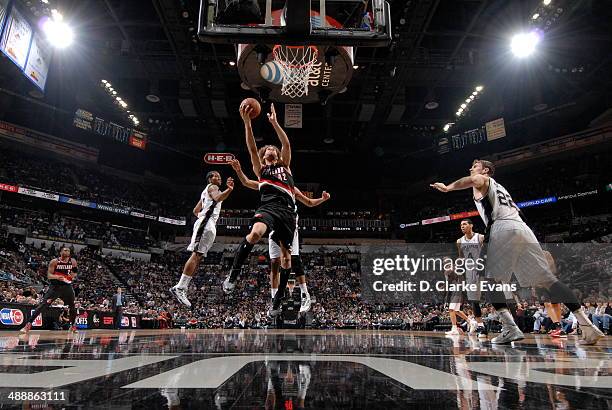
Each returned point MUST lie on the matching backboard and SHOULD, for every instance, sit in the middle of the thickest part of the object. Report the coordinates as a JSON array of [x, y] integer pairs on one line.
[[360, 23]]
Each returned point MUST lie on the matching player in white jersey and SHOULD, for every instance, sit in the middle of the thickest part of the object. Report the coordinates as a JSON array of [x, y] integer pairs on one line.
[[207, 211], [513, 249], [275, 251], [470, 247]]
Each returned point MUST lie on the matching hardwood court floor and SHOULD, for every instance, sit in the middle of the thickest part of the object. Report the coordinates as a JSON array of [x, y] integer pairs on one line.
[[288, 369]]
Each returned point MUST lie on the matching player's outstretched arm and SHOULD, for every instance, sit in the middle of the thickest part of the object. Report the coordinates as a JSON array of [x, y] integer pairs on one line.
[[472, 181], [244, 180], [311, 202], [282, 136], [197, 208], [245, 112], [216, 194]]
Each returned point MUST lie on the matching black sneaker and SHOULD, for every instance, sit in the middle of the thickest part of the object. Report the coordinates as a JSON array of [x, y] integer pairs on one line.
[[482, 332]]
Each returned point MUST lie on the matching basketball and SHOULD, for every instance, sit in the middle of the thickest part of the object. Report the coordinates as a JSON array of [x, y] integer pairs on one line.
[[254, 104]]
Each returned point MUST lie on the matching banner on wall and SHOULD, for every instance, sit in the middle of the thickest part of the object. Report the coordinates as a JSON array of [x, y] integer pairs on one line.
[[9, 188], [40, 140], [112, 208], [172, 221], [495, 129], [435, 220], [462, 215], [16, 38], [536, 202], [38, 194], [39, 58], [74, 201]]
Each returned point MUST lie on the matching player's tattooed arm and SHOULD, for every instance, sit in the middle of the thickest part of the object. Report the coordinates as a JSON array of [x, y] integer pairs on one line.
[[282, 137], [250, 139], [473, 181], [244, 180], [217, 195], [311, 202]]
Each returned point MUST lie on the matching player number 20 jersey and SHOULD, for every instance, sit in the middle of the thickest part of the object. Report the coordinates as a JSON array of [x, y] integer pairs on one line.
[[497, 205]]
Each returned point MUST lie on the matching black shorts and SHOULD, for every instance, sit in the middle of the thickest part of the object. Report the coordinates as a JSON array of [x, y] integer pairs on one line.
[[65, 292], [280, 219]]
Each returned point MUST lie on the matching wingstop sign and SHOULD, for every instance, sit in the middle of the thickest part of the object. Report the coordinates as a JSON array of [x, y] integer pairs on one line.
[[218, 158]]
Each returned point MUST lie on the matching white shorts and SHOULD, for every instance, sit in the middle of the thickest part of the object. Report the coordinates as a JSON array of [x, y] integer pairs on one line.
[[456, 306], [514, 249], [203, 236], [275, 250]]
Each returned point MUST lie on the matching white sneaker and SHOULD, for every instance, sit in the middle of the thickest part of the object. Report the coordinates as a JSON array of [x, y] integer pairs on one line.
[[228, 287], [454, 331], [181, 295], [508, 335], [306, 302], [590, 335]]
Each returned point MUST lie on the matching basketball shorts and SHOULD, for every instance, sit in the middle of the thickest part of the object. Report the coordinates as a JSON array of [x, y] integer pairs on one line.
[[203, 236], [65, 292], [514, 250], [280, 219], [275, 250]]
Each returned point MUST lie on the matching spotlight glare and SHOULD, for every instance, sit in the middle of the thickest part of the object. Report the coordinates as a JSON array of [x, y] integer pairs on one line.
[[59, 34], [463, 105], [467, 100], [104, 82], [535, 16], [546, 2], [232, 63], [475, 93], [119, 99], [114, 92], [524, 44], [458, 113], [479, 88]]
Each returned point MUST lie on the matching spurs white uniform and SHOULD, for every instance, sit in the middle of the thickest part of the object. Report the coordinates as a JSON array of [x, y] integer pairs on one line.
[[471, 248], [275, 251], [512, 247], [205, 228]]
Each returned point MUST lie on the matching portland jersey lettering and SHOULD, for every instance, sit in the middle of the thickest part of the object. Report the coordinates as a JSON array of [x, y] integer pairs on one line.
[[276, 182], [63, 269]]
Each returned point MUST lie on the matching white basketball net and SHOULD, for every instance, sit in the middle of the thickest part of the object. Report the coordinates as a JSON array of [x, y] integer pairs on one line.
[[296, 63]]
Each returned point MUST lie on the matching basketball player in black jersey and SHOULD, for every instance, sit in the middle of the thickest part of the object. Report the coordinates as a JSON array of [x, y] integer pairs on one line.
[[296, 260], [61, 273], [276, 212]]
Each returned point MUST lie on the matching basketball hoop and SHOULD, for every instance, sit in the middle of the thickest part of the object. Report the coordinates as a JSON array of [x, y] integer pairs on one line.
[[295, 63]]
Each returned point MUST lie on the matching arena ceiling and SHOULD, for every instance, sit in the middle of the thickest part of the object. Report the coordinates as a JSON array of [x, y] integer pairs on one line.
[[441, 50]]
